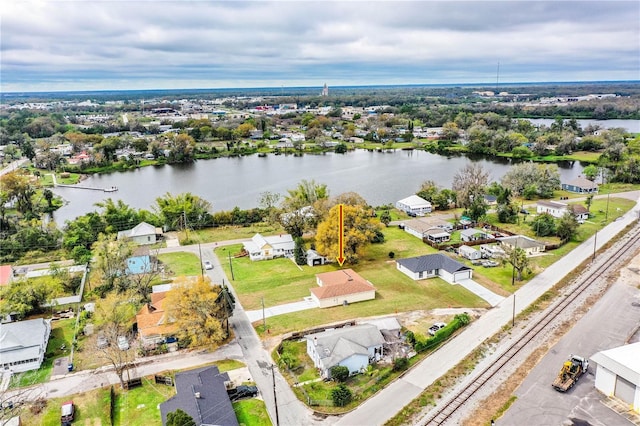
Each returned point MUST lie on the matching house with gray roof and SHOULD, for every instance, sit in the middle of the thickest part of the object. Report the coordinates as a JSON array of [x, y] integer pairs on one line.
[[202, 394], [580, 185], [434, 265], [141, 234], [23, 344], [353, 347], [529, 245]]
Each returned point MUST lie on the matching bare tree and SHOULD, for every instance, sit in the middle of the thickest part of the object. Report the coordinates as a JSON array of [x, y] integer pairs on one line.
[[469, 183]]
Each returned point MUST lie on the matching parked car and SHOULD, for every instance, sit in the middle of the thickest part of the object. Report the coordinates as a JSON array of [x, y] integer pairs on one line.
[[489, 264], [241, 392], [123, 343], [67, 412], [524, 211], [102, 341], [435, 327], [207, 265]]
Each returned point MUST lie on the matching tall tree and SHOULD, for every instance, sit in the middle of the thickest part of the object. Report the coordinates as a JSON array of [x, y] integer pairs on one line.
[[111, 257], [118, 215], [200, 310], [567, 226], [470, 183], [183, 211], [306, 193], [179, 418], [360, 229], [518, 259]]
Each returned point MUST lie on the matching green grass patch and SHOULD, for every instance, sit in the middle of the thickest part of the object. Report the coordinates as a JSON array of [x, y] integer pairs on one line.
[[61, 334], [251, 412], [92, 408], [139, 406], [225, 233], [181, 263]]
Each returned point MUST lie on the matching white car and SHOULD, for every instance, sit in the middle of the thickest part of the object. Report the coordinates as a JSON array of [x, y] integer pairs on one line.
[[123, 343], [435, 327], [207, 264]]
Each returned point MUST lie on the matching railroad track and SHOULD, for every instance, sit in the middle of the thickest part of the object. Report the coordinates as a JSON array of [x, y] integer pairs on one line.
[[608, 261]]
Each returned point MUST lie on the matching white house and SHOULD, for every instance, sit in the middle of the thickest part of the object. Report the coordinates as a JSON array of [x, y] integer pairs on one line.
[[141, 234], [529, 245], [341, 287], [414, 205], [469, 252], [423, 226], [434, 265], [492, 250], [473, 234], [261, 248], [353, 347], [558, 209], [23, 344], [618, 373]]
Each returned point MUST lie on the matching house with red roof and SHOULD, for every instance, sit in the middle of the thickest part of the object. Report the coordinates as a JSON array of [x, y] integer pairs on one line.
[[341, 287]]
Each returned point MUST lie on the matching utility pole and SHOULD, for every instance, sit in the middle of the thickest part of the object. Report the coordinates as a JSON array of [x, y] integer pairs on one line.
[[513, 316], [201, 265], [231, 267], [275, 395], [595, 238], [264, 319]]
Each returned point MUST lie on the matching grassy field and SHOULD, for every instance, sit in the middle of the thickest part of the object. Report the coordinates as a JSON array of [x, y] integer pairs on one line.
[[181, 263], [139, 406], [281, 281], [225, 233]]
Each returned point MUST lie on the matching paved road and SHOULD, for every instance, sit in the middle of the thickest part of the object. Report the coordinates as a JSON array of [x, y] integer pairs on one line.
[[13, 166], [608, 324], [384, 405]]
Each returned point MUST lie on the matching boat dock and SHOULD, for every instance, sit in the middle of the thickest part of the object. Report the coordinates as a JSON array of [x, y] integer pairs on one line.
[[91, 188]]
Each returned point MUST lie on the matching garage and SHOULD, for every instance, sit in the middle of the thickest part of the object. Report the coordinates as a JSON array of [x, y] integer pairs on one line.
[[618, 374]]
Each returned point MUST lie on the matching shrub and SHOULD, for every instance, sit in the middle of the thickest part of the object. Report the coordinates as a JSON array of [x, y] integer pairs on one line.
[[341, 395], [400, 364], [391, 255], [339, 373]]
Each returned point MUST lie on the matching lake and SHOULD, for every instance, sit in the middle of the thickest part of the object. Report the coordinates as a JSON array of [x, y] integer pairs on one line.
[[380, 177]]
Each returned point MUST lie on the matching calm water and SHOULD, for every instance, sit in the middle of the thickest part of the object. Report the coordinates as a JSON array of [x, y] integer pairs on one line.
[[380, 178]]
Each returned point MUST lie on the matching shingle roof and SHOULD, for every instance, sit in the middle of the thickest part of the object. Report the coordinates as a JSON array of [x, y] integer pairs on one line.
[[341, 283], [520, 241], [23, 339], [152, 318], [431, 262], [583, 183], [212, 408], [336, 345]]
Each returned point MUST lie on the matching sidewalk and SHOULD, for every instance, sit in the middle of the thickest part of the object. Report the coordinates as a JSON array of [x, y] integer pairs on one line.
[[287, 308], [481, 291]]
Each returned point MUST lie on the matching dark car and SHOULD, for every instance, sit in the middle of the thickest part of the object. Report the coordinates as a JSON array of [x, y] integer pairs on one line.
[[524, 211], [242, 392], [435, 327]]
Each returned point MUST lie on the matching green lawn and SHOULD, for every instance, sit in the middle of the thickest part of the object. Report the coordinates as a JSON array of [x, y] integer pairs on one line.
[[181, 263], [139, 406], [281, 281], [225, 233], [92, 408], [252, 412], [61, 334]]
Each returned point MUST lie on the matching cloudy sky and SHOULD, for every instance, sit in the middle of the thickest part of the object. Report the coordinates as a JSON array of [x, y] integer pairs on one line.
[[128, 44]]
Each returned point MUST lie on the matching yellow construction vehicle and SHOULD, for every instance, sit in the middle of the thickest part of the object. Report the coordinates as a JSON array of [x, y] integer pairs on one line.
[[571, 371]]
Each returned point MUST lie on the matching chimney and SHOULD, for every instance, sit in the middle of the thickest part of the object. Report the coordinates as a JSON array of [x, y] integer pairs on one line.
[[315, 341]]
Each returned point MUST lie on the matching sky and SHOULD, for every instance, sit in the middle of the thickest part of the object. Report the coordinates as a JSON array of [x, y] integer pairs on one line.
[[55, 45]]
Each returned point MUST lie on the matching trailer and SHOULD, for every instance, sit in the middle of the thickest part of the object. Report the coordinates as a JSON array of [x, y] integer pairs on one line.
[[571, 371]]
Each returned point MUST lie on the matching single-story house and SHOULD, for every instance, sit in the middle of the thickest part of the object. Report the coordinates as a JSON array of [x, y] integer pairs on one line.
[[23, 344], [580, 185], [559, 209], [415, 205], [434, 265], [474, 234], [154, 323], [437, 235], [469, 252], [6, 274], [202, 394], [492, 250], [142, 233], [261, 248], [491, 200], [341, 287], [529, 245], [419, 227], [618, 373], [314, 258], [353, 347], [389, 327]]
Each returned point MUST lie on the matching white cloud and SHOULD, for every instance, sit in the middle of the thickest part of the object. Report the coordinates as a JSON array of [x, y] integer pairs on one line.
[[81, 44]]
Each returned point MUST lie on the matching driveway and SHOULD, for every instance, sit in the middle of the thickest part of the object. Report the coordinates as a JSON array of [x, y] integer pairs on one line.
[[272, 311], [481, 291]]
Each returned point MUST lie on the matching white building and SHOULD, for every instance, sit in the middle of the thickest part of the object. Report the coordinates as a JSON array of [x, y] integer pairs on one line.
[[353, 347], [261, 248], [618, 373], [141, 234], [469, 252], [558, 209], [414, 205], [23, 344]]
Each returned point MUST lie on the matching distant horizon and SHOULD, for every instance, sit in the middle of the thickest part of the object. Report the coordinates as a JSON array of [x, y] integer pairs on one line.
[[319, 87]]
